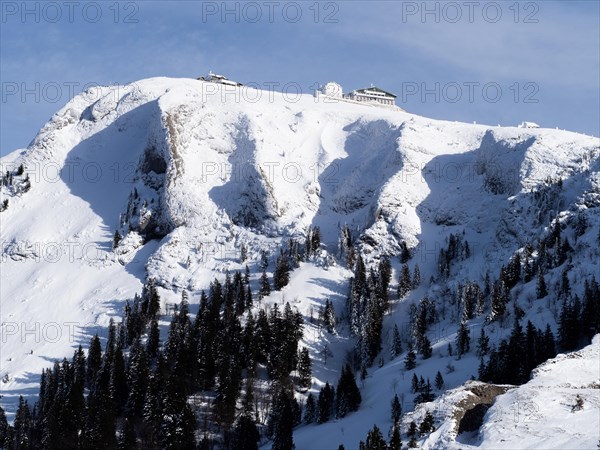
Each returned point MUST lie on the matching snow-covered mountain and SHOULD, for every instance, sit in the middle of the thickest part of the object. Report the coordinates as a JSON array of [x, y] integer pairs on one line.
[[187, 173]]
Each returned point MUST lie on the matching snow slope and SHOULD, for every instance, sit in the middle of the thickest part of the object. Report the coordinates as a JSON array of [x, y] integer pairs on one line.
[[539, 414], [187, 171]]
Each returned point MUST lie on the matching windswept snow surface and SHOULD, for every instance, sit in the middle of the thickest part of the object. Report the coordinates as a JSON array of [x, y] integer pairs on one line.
[[187, 171]]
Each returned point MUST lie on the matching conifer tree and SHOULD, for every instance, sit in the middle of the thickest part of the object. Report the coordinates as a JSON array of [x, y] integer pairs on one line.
[[127, 439], [308, 242], [249, 351], [263, 337], [315, 242], [439, 380], [137, 378], [396, 410], [414, 385], [239, 294], [329, 316], [249, 301], [565, 288], [116, 239], [395, 442], [153, 339], [513, 271], [118, 381], [345, 241], [76, 398], [425, 392], [396, 347], [3, 429], [178, 425], [563, 249], [426, 349], [483, 344], [412, 429], [325, 403], [265, 286], [528, 269], [245, 434], [304, 369], [100, 429], [111, 342], [590, 314], [463, 340], [281, 277], [348, 396], [286, 332], [541, 289], [150, 300], [549, 344], [405, 283], [153, 407], [282, 421], [482, 371], [410, 361], [427, 424], [375, 440], [385, 273], [22, 426], [416, 280], [264, 260], [357, 296], [94, 361], [498, 301], [296, 411], [569, 329], [404, 252], [310, 409], [247, 275]]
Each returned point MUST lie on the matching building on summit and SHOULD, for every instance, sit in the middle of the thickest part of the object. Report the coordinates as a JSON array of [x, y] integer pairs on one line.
[[370, 95]]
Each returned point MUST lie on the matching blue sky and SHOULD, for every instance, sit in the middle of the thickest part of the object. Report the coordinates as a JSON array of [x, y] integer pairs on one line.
[[537, 61]]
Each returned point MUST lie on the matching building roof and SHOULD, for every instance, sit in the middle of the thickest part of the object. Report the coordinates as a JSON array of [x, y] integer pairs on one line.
[[222, 79], [216, 76], [374, 89]]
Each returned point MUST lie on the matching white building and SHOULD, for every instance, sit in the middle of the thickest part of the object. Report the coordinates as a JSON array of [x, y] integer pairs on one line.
[[372, 94]]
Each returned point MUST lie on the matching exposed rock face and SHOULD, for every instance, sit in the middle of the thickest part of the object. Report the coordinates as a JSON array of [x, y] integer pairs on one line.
[[470, 411]]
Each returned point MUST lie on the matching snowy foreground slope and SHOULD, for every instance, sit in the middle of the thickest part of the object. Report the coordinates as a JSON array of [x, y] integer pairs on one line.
[[542, 413], [189, 171]]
